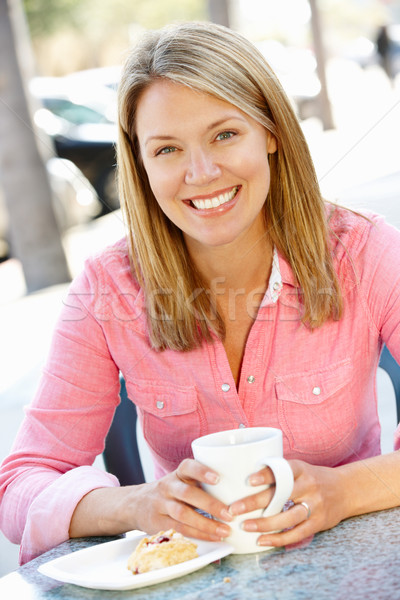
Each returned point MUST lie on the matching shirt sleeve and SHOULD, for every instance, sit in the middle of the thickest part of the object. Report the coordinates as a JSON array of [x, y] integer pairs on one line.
[[381, 287], [381, 283], [49, 469]]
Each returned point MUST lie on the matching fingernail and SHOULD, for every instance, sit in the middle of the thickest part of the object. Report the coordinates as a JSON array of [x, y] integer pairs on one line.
[[249, 526], [256, 479], [223, 531], [211, 477], [263, 542], [226, 515], [237, 509]]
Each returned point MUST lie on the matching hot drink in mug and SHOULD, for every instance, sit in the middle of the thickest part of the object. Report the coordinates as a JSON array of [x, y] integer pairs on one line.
[[235, 455]]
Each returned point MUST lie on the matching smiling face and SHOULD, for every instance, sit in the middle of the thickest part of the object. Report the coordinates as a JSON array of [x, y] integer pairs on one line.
[[207, 163]]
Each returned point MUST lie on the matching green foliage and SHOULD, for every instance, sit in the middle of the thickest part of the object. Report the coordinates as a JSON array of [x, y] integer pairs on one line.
[[46, 17], [157, 13]]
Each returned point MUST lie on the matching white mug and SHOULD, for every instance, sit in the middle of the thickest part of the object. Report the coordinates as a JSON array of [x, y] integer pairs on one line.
[[235, 455]]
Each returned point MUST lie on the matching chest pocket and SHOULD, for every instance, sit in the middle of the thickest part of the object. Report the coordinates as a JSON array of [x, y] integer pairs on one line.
[[315, 409], [170, 418]]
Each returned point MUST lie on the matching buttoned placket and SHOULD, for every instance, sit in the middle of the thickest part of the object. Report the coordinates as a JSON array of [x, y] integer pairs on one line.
[[226, 393], [256, 360], [240, 403]]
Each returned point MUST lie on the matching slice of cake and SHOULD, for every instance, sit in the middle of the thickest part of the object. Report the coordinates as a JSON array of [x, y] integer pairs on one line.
[[164, 549]]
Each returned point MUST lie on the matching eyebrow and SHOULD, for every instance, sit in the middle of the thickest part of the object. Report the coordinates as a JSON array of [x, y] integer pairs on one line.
[[209, 128]]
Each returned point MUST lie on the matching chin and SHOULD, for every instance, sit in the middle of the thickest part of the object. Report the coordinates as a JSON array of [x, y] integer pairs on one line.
[[219, 243]]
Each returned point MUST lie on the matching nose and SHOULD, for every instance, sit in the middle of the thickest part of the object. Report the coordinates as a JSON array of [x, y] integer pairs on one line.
[[201, 168]]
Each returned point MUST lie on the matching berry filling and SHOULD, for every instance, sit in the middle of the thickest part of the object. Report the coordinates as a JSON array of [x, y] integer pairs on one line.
[[161, 539]]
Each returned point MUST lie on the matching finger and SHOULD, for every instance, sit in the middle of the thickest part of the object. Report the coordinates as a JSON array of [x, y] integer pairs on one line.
[[193, 532], [281, 521], [199, 525], [165, 522], [186, 487], [288, 537], [192, 470], [253, 502], [263, 477], [285, 529], [194, 496]]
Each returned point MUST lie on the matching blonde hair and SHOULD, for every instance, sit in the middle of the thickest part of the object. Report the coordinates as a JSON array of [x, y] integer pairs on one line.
[[218, 61]]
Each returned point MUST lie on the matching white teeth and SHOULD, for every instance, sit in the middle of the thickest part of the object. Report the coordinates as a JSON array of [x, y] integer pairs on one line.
[[216, 201]]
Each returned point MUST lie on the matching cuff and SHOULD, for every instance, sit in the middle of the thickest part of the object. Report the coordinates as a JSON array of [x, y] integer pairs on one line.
[[50, 514]]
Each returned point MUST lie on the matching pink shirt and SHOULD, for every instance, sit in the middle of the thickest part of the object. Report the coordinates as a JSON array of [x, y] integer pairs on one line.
[[318, 387]]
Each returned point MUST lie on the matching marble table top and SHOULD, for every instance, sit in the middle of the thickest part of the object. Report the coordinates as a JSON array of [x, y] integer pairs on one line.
[[358, 559]]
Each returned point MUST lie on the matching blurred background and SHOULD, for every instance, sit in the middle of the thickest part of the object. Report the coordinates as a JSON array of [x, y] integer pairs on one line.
[[60, 63]]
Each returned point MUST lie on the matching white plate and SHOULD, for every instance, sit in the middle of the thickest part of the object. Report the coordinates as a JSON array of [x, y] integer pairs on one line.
[[103, 566]]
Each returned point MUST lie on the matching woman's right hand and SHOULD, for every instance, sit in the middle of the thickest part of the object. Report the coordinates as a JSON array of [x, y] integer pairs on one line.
[[171, 502]]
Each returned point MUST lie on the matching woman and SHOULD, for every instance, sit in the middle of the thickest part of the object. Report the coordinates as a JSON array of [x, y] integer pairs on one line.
[[240, 299]]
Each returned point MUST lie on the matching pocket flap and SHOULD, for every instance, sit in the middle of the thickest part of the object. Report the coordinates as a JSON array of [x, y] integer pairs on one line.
[[162, 400], [313, 387]]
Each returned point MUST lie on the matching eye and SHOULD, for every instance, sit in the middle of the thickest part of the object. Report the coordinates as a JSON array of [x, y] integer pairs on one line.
[[166, 150], [225, 135]]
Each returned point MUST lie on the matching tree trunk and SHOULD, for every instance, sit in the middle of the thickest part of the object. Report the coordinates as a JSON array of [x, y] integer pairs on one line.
[[325, 105], [34, 235], [218, 11]]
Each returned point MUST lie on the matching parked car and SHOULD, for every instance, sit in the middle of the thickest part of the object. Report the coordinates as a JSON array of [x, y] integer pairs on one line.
[[81, 119], [75, 201]]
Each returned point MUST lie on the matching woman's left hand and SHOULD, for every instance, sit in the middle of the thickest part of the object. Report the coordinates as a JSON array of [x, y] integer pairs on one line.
[[321, 489]]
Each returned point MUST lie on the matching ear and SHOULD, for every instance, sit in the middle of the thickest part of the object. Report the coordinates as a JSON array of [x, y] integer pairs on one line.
[[271, 145]]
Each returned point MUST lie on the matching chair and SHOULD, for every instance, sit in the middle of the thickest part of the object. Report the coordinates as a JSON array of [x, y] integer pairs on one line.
[[392, 368], [121, 453]]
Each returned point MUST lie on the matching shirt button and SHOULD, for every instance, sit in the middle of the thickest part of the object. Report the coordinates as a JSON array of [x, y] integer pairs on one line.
[[316, 391], [225, 387], [160, 404], [242, 426], [251, 379], [276, 285]]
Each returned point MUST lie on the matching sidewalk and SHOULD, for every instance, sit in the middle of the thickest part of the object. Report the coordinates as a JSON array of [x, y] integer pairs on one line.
[[363, 149]]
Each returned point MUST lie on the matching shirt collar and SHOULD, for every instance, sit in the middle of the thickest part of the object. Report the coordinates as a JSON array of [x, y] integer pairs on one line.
[[281, 273]]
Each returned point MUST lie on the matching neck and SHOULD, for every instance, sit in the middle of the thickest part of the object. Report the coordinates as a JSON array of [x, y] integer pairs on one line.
[[245, 265]]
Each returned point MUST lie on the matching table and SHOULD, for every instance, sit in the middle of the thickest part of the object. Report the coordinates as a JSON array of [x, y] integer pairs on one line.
[[358, 559]]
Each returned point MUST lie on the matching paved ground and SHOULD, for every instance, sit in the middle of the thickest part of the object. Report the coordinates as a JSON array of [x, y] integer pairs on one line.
[[360, 156]]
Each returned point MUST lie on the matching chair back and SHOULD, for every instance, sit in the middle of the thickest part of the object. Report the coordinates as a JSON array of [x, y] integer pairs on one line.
[[121, 453], [392, 368]]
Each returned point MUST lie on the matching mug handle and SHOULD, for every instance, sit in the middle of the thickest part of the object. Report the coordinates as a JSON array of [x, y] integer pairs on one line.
[[283, 484]]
